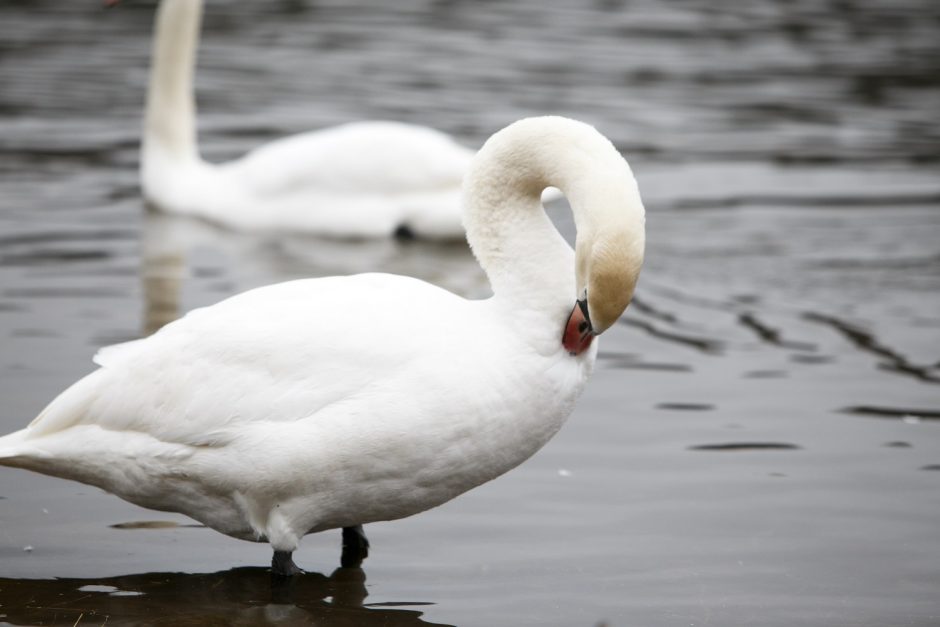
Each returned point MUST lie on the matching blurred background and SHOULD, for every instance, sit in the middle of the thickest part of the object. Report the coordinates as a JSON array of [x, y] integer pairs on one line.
[[760, 443]]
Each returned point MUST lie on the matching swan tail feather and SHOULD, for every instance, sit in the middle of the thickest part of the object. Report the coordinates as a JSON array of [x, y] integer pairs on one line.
[[14, 451], [67, 409]]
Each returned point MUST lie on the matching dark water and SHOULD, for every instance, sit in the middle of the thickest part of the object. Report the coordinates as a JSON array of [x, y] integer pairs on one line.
[[760, 443]]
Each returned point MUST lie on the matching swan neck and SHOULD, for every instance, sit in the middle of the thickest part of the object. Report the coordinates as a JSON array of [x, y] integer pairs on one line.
[[522, 253], [170, 119]]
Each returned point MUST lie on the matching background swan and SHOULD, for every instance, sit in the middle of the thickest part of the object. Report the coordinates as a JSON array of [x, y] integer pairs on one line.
[[330, 403], [366, 179]]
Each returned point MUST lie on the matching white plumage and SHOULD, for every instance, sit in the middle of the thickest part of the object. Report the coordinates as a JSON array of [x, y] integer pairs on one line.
[[334, 402]]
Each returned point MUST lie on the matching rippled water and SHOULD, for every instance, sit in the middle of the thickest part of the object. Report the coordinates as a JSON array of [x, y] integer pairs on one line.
[[760, 444]]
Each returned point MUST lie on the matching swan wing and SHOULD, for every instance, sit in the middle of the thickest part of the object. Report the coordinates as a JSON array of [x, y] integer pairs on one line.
[[281, 353]]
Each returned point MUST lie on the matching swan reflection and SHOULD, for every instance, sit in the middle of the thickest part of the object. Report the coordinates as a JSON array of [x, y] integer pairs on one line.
[[178, 251], [241, 596]]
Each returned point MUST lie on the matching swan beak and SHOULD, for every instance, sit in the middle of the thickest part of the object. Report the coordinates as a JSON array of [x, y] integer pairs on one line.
[[578, 330]]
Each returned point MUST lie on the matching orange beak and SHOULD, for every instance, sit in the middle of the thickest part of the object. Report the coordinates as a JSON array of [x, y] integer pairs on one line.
[[578, 332]]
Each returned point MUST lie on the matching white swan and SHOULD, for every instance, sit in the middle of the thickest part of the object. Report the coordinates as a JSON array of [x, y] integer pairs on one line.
[[330, 403], [366, 179]]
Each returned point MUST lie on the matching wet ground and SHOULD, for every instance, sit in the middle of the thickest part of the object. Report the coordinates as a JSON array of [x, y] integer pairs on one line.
[[760, 444]]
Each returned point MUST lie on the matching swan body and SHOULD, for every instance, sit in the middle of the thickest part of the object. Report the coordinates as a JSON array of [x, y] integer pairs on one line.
[[366, 179], [334, 402]]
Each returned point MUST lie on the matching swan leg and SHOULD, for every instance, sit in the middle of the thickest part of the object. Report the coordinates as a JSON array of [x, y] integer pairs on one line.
[[355, 547], [355, 538], [282, 564]]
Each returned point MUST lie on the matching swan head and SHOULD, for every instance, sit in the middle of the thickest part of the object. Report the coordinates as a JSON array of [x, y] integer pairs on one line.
[[608, 257], [609, 277]]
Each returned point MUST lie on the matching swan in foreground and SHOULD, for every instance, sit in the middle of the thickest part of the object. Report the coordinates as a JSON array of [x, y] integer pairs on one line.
[[366, 179], [335, 402]]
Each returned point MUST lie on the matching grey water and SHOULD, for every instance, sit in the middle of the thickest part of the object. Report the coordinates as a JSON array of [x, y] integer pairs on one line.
[[759, 444]]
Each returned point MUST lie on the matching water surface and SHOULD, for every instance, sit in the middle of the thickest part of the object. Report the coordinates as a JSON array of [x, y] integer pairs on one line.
[[759, 443]]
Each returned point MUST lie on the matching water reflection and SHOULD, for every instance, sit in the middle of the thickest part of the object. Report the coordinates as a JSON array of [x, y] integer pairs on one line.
[[177, 249], [241, 596]]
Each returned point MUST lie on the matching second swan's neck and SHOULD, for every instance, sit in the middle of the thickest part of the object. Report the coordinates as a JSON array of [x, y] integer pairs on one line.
[[530, 266], [170, 118]]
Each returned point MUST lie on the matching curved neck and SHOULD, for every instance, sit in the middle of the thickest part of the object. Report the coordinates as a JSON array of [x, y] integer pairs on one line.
[[170, 119], [526, 259]]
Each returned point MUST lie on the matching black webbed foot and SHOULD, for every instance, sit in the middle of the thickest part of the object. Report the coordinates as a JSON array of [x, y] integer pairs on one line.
[[282, 565]]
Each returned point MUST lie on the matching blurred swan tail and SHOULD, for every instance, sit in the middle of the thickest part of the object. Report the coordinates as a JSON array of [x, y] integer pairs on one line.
[[13, 448], [67, 409]]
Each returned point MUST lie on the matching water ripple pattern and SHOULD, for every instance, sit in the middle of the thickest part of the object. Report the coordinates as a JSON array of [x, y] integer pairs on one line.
[[752, 448]]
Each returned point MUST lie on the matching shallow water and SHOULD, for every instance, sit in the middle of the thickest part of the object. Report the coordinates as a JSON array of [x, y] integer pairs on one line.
[[759, 444]]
